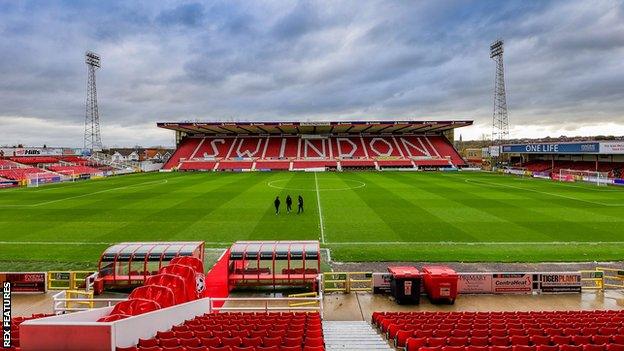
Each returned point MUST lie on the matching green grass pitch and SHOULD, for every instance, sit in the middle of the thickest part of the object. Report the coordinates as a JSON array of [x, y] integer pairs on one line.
[[365, 216]]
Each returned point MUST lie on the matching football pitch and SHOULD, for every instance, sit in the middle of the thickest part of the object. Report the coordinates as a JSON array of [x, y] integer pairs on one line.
[[360, 216]]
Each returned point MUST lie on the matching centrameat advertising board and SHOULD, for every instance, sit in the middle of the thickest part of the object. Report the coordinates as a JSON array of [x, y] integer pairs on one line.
[[512, 283], [475, 283]]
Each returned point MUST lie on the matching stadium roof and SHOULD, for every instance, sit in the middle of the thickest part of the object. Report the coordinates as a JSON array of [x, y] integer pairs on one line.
[[395, 127]]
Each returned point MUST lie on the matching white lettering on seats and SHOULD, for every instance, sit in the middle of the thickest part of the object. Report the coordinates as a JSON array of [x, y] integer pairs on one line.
[[372, 143], [215, 148], [248, 153], [342, 154], [320, 152], [405, 142]]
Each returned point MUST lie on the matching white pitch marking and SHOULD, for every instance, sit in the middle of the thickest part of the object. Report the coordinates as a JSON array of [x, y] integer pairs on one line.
[[318, 201], [90, 243], [541, 192], [359, 185], [89, 194], [477, 243]]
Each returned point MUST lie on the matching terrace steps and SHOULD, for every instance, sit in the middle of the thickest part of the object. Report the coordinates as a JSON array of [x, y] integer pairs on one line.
[[352, 335]]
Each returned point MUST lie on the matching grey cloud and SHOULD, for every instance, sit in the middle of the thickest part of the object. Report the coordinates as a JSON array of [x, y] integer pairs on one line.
[[190, 15], [304, 60]]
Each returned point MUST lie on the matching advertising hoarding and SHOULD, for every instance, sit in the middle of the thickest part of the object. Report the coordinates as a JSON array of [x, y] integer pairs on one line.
[[25, 282], [512, 283]]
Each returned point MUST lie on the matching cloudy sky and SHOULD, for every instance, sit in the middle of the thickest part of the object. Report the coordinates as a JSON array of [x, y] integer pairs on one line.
[[317, 60]]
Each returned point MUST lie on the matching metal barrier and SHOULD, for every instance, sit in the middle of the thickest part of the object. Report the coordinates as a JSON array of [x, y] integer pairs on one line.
[[70, 280], [69, 301], [592, 280], [346, 282], [268, 304], [612, 278], [298, 304]]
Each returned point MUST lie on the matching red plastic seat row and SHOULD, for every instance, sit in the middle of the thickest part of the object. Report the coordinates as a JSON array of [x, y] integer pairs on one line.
[[606, 347], [221, 348], [232, 341]]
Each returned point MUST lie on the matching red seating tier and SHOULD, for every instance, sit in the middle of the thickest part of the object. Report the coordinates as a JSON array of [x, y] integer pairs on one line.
[[23, 173], [33, 160], [425, 330], [241, 331], [198, 165], [227, 150], [74, 169], [275, 165]]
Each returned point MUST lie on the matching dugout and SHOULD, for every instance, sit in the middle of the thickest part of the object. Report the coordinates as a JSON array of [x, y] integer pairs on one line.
[[274, 263], [129, 264]]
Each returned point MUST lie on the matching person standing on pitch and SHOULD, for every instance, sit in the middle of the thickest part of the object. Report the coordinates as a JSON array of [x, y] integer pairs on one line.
[[277, 203], [288, 203], [300, 202]]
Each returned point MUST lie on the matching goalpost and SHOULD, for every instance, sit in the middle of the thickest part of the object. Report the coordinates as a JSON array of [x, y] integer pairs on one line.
[[572, 175]]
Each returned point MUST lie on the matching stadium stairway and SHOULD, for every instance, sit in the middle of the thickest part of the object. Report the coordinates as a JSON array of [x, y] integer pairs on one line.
[[351, 336]]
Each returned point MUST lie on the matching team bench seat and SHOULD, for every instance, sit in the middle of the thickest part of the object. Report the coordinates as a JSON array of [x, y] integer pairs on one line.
[[540, 331], [240, 332]]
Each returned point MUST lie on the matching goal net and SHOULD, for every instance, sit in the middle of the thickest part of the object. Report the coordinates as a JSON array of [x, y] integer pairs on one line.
[[572, 175]]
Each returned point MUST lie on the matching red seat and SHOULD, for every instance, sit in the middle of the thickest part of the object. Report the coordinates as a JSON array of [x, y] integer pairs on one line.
[[500, 348], [436, 342], [600, 339], [457, 341], [267, 348], [561, 340], [183, 334], [540, 340], [314, 342], [113, 317], [570, 348], [271, 341], [547, 348], [291, 348], [476, 348], [414, 344], [169, 342], [148, 342], [161, 294], [581, 339], [292, 341], [219, 348], [190, 342], [590, 347], [524, 348], [479, 341], [499, 341], [165, 334], [135, 307], [520, 340], [231, 341], [311, 348]]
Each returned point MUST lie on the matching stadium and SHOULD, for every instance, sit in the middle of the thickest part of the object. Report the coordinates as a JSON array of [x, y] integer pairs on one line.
[[311, 234]]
